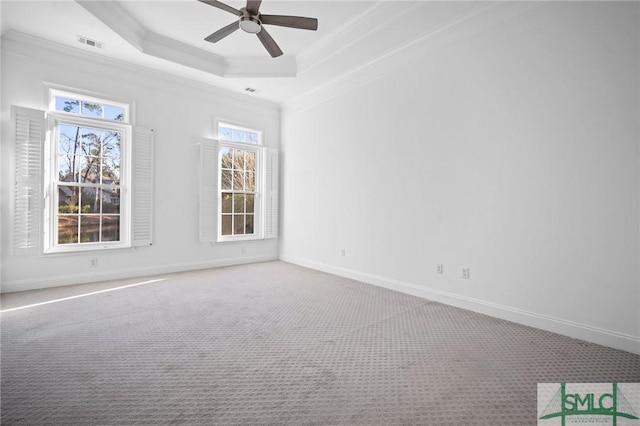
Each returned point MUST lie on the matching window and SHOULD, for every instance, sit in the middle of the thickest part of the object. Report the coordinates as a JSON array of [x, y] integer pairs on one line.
[[88, 183], [93, 108], [231, 132], [83, 171], [89, 159], [238, 186]]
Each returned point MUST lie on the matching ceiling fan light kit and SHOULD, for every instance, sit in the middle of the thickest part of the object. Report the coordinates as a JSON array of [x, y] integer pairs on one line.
[[250, 25], [252, 21]]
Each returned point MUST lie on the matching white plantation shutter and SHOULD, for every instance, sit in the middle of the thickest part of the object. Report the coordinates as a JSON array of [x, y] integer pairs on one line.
[[29, 131], [142, 187], [208, 190], [271, 195]]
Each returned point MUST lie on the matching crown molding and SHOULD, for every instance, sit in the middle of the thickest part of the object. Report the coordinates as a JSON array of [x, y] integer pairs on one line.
[[480, 17], [345, 35], [17, 43]]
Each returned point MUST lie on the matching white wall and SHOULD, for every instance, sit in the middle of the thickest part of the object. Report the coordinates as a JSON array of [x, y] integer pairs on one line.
[[514, 152], [180, 113]]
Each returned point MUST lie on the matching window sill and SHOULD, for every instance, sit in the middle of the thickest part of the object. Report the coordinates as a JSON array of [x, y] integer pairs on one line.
[[238, 239], [85, 248]]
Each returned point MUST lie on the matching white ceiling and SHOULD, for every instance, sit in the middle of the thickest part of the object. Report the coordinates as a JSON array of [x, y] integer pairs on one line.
[[168, 35]]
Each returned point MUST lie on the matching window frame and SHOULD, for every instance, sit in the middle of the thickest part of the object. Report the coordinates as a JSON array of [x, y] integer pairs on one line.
[[55, 119], [258, 150]]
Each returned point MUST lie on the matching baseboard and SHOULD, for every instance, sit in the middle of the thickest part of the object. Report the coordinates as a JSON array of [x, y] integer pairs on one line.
[[556, 325], [83, 278]]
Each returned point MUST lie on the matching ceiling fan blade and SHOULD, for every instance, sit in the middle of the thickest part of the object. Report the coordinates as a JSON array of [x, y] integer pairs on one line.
[[253, 6], [223, 32], [269, 43], [222, 6], [299, 22]]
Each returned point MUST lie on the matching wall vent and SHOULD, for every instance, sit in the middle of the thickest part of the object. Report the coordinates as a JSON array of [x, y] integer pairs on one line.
[[93, 43]]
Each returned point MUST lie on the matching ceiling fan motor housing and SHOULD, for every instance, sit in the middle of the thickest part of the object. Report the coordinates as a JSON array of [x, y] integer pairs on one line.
[[250, 24]]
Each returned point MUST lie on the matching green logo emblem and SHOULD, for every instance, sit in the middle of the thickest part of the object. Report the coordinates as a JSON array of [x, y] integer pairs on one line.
[[610, 403]]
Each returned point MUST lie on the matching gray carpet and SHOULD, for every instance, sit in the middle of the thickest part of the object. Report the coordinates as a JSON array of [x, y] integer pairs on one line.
[[274, 343]]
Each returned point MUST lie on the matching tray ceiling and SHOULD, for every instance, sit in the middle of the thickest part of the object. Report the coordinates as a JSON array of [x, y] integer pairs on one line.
[[168, 36]]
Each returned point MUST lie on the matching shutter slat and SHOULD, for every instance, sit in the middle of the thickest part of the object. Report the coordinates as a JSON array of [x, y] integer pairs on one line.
[[208, 190], [271, 194], [142, 194], [29, 129]]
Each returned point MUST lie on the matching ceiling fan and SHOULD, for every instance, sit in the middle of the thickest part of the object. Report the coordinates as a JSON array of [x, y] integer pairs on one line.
[[251, 21]]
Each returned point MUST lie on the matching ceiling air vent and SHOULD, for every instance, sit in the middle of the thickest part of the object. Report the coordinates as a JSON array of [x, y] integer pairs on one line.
[[89, 42]]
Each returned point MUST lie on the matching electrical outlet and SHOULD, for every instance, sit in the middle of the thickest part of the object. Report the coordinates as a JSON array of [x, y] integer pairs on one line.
[[439, 268], [343, 252], [466, 273], [94, 262]]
